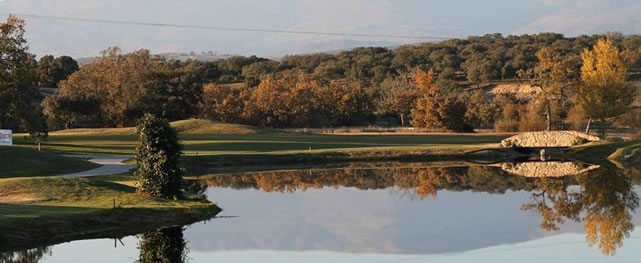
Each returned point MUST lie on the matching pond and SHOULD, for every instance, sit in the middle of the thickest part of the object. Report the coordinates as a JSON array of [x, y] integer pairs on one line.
[[394, 212]]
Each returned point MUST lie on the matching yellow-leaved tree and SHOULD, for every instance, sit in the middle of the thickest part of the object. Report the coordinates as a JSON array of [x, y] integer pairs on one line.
[[436, 108], [604, 91]]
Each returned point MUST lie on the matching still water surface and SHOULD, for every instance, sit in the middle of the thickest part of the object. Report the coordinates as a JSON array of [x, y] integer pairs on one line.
[[392, 213]]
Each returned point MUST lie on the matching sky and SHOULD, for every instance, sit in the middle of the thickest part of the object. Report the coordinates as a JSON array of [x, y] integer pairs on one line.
[[423, 18]]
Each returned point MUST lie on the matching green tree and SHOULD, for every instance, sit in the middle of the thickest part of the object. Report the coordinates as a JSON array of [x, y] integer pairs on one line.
[[231, 68], [17, 74], [253, 72], [38, 129], [604, 91], [66, 111], [158, 158], [53, 70]]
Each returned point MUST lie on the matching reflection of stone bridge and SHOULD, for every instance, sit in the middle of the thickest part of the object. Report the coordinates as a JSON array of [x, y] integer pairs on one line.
[[528, 143], [547, 169]]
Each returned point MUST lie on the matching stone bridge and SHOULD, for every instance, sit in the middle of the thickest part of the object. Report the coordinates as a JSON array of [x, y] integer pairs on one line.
[[548, 139]]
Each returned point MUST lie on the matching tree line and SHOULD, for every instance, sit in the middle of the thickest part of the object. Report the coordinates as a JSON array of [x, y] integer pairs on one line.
[[424, 85]]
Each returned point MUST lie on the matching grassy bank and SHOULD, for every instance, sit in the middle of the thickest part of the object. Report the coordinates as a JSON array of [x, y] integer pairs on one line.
[[23, 162], [47, 210]]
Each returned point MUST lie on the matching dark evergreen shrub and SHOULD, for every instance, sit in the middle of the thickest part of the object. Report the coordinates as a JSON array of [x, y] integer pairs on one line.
[[158, 156]]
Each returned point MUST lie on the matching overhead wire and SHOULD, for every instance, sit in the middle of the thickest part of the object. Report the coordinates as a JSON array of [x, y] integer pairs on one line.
[[220, 28]]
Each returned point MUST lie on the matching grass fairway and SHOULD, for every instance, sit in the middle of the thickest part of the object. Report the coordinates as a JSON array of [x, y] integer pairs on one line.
[[206, 138], [47, 209], [23, 162]]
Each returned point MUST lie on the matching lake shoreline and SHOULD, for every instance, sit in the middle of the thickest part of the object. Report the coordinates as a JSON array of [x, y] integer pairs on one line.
[[37, 211], [113, 223], [39, 229], [196, 165]]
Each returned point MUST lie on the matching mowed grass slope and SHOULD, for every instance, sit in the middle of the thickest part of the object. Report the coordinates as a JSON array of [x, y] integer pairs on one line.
[[53, 209], [88, 193], [203, 137], [23, 162]]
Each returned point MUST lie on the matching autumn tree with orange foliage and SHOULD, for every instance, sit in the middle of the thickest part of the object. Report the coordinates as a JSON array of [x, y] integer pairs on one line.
[[296, 99], [435, 108], [429, 182], [284, 100], [223, 103], [345, 103]]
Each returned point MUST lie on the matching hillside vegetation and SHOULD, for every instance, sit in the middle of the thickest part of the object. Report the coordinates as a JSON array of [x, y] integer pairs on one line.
[[359, 87]]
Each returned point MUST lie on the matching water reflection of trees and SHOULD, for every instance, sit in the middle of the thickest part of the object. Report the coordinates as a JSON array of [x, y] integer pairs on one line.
[[422, 180], [33, 255], [165, 245], [603, 199]]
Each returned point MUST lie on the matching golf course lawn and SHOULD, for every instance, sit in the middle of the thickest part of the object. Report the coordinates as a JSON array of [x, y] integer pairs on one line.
[[202, 137], [24, 162], [49, 209]]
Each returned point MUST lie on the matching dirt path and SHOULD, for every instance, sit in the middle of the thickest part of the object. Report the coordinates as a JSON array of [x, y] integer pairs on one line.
[[111, 164]]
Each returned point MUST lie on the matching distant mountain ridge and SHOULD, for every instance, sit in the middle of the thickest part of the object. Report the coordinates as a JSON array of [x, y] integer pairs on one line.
[[330, 47], [181, 56]]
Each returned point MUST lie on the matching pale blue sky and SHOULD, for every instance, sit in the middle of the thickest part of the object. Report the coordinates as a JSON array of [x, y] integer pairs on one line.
[[455, 18]]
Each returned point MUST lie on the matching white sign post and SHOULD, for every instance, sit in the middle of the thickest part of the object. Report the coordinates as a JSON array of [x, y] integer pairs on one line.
[[6, 138]]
